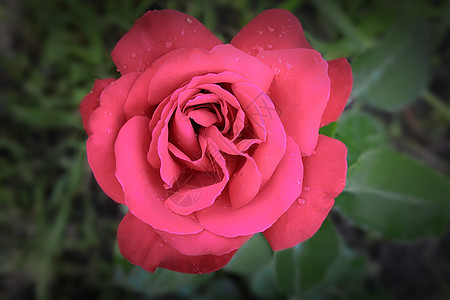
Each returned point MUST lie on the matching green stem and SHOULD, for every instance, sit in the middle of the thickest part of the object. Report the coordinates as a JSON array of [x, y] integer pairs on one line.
[[437, 104]]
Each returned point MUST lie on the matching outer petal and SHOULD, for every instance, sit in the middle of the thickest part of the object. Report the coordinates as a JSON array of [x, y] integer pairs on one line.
[[324, 179], [142, 185], [157, 33], [182, 65], [92, 100], [203, 243], [300, 91], [273, 29], [105, 123], [340, 74], [275, 198], [139, 244]]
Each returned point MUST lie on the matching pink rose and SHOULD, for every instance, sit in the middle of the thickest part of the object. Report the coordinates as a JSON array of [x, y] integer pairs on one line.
[[208, 144]]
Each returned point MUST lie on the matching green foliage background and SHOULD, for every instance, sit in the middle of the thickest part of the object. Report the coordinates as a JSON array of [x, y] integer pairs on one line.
[[387, 236]]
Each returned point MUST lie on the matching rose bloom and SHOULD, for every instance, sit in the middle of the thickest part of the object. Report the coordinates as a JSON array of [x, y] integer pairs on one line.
[[209, 143]]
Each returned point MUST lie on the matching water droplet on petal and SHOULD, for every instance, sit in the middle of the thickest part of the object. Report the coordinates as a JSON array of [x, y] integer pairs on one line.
[[260, 32], [108, 130], [271, 29], [182, 31], [189, 20], [168, 44], [277, 71], [279, 60], [299, 181], [160, 244], [124, 67], [133, 54], [301, 201], [289, 66], [269, 46], [306, 188], [314, 152]]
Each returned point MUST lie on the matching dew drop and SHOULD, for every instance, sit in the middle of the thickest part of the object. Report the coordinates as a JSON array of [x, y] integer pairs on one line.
[[277, 71], [108, 130], [289, 66], [236, 59], [299, 181], [306, 188], [280, 35], [160, 244], [189, 20], [124, 67], [133, 55], [271, 29], [260, 32], [301, 201], [146, 195], [149, 49], [168, 44], [182, 31], [269, 46], [279, 60], [314, 152]]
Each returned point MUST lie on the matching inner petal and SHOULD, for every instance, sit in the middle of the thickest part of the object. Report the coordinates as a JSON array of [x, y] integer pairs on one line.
[[183, 135], [199, 190]]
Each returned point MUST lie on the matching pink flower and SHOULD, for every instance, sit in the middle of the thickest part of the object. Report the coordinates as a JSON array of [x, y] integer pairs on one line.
[[208, 144]]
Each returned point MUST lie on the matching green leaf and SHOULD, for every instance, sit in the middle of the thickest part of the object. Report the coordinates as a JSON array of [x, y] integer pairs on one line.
[[396, 196], [263, 284], [304, 266], [345, 278], [329, 130], [392, 75], [360, 132], [251, 257], [159, 283]]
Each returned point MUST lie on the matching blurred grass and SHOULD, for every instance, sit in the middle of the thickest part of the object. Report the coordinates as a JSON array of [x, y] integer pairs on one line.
[[57, 229]]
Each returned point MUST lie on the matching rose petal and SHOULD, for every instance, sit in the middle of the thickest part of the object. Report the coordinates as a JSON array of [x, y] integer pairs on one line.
[[273, 29], [324, 180], [183, 135], [275, 198], [141, 245], [300, 91], [244, 184], [157, 33], [268, 154], [142, 185], [203, 243], [340, 73], [189, 62], [202, 188], [105, 123], [137, 100], [92, 100]]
